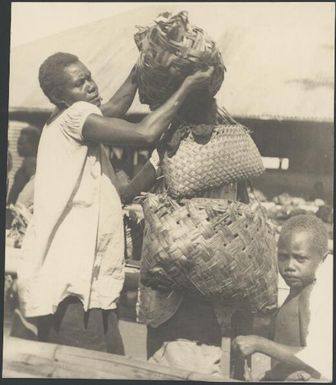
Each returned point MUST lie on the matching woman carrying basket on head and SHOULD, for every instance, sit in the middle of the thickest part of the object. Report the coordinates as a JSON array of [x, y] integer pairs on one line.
[[171, 315]]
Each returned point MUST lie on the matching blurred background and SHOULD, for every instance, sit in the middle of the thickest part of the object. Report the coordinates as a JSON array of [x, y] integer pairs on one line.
[[279, 80]]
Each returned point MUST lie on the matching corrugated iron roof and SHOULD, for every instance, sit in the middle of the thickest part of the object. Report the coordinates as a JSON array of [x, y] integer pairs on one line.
[[279, 56]]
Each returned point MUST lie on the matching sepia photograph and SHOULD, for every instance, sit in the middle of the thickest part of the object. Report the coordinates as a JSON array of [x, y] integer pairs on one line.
[[169, 191]]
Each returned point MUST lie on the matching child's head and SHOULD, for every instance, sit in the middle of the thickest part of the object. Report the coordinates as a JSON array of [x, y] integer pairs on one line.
[[302, 246]]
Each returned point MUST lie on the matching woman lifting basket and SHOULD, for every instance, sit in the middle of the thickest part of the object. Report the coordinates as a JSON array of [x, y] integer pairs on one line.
[[71, 269]]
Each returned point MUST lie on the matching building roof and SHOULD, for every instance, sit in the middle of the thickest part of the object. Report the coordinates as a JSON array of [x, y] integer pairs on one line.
[[279, 56]]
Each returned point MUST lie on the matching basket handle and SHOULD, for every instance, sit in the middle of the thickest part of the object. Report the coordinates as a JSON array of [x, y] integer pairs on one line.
[[225, 116]]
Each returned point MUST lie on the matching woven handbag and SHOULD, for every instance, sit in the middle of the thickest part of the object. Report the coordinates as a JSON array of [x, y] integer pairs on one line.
[[170, 50], [229, 156], [210, 247]]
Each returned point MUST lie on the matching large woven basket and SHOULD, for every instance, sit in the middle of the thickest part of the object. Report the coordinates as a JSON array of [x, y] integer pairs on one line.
[[169, 51], [229, 156], [210, 247]]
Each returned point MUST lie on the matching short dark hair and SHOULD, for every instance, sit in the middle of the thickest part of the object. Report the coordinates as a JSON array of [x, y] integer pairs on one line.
[[311, 224], [51, 75]]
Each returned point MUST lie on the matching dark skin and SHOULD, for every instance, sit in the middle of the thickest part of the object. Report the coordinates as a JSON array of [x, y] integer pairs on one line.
[[122, 100], [143, 181], [27, 149], [22, 176], [79, 86], [25, 146], [298, 261]]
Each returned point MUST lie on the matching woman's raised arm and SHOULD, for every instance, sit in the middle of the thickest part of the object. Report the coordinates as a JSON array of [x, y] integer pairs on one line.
[[121, 101], [119, 132]]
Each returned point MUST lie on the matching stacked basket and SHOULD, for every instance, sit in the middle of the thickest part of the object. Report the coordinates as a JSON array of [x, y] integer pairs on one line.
[[169, 51], [209, 247], [229, 156], [213, 247]]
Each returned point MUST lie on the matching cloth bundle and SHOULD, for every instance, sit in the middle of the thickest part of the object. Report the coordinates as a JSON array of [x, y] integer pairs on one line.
[[170, 50], [210, 247]]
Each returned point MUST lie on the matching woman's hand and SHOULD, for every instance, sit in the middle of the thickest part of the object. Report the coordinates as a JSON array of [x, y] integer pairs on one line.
[[247, 345], [200, 78]]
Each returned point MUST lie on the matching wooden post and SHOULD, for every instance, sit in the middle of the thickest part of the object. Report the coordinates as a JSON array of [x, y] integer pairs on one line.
[[225, 358], [242, 324]]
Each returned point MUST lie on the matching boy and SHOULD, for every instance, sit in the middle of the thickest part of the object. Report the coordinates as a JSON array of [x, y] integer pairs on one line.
[[301, 345]]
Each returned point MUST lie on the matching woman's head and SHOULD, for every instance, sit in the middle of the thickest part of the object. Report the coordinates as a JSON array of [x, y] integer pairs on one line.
[[65, 80]]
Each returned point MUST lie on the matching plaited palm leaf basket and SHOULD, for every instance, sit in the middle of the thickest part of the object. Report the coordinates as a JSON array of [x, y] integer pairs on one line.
[[210, 247], [170, 50], [228, 156]]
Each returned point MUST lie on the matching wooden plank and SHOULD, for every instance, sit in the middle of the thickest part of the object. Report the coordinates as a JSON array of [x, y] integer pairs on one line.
[[118, 365], [205, 378], [16, 346], [9, 372], [23, 358], [20, 369]]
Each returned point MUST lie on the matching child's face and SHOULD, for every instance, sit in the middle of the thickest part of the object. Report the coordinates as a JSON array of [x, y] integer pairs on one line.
[[297, 259]]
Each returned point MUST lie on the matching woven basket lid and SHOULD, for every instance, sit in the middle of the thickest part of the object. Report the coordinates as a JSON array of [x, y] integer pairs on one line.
[[170, 50]]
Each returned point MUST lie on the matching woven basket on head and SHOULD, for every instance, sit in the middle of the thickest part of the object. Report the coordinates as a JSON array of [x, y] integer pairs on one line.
[[229, 156], [169, 51], [215, 248]]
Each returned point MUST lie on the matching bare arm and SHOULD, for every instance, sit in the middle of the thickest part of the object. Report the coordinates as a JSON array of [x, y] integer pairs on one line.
[[280, 352], [119, 132], [143, 181], [121, 101], [283, 353]]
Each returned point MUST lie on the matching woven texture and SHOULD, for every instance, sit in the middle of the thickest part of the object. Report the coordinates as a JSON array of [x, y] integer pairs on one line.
[[212, 247], [229, 156], [169, 51]]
